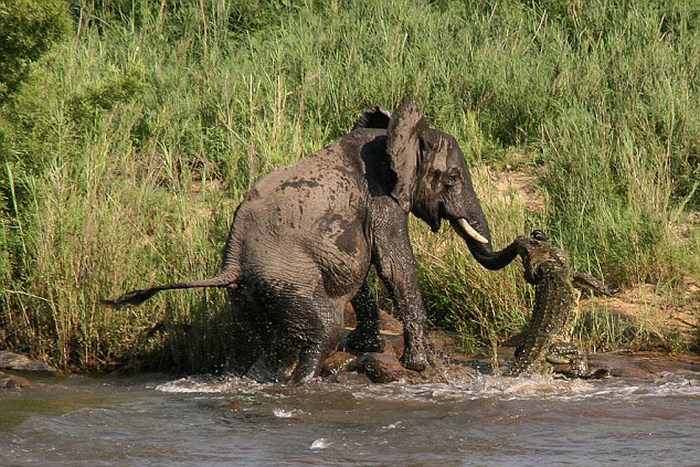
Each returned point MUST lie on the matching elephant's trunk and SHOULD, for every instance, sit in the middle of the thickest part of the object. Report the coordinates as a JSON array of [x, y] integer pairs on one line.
[[481, 250]]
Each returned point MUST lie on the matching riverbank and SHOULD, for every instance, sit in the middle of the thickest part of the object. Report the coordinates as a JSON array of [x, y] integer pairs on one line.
[[451, 363], [16, 371]]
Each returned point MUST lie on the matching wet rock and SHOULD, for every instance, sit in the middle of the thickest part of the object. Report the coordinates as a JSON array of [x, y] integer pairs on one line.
[[336, 363], [350, 378], [13, 381], [380, 367], [14, 361], [394, 344], [644, 365], [388, 325]]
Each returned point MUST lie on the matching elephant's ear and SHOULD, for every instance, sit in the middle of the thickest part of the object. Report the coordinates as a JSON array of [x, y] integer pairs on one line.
[[406, 128], [376, 117]]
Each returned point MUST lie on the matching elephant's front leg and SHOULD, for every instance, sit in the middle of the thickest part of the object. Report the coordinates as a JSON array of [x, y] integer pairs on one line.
[[396, 266], [365, 337]]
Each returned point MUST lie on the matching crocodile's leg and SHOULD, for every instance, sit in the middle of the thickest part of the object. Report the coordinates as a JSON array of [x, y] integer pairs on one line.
[[570, 354]]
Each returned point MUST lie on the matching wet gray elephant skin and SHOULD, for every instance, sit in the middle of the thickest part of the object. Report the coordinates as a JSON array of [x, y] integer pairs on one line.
[[305, 237], [545, 341]]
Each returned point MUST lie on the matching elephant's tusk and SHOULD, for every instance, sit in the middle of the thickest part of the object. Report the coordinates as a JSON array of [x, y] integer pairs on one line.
[[469, 230]]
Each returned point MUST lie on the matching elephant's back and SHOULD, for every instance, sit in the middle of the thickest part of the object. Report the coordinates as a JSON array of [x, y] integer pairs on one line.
[[303, 194], [312, 216]]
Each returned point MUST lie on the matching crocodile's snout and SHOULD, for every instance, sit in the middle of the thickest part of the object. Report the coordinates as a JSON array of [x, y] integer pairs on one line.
[[538, 234]]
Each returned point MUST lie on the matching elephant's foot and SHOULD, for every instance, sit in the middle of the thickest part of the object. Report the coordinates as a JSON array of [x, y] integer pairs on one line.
[[361, 340], [414, 360], [417, 352], [310, 359]]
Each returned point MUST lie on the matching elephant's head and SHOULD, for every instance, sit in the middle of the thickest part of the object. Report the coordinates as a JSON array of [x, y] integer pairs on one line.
[[434, 183]]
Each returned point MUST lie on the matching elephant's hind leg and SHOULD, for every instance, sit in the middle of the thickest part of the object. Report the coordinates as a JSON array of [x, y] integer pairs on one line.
[[247, 346], [247, 335], [295, 330], [365, 337], [324, 327], [310, 359]]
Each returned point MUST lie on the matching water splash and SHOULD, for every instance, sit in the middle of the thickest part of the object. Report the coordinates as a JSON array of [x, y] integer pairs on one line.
[[393, 426], [475, 388], [210, 384], [282, 413], [321, 443], [536, 387]]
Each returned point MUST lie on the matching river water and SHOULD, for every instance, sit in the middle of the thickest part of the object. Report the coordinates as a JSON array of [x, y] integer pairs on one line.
[[484, 420]]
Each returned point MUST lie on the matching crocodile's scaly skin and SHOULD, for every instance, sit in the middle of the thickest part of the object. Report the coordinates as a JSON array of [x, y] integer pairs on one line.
[[544, 342]]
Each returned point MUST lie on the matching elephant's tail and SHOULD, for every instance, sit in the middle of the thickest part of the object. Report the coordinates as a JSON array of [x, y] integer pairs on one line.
[[226, 278]]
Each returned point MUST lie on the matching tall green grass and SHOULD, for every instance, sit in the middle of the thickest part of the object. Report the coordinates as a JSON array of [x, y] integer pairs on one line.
[[128, 147]]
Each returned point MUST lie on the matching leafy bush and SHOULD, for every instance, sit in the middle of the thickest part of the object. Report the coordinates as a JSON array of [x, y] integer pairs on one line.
[[29, 27]]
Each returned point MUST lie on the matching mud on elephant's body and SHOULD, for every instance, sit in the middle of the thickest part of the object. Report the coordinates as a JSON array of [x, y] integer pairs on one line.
[[304, 238]]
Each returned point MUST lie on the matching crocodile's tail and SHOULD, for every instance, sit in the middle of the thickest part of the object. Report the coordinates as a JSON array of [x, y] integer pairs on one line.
[[226, 278], [592, 284]]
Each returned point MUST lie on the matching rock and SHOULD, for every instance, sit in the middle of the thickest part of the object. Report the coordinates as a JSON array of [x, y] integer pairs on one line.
[[350, 378], [644, 365], [393, 344], [380, 367], [13, 381], [349, 317], [14, 361], [388, 325], [337, 362]]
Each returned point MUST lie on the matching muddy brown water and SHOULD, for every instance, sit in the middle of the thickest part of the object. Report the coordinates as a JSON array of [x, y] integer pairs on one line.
[[154, 419]]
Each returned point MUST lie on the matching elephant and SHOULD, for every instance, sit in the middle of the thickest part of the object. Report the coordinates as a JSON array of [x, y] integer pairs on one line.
[[304, 238]]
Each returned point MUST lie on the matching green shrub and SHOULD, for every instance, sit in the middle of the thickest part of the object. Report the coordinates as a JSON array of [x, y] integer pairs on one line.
[[28, 28]]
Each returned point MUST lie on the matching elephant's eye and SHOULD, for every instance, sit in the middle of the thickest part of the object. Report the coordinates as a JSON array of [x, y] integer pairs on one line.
[[451, 178]]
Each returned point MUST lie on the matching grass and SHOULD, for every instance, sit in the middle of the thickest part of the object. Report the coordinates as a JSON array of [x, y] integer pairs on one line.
[[126, 150]]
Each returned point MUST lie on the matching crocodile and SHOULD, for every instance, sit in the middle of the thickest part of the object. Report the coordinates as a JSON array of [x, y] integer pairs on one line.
[[545, 341]]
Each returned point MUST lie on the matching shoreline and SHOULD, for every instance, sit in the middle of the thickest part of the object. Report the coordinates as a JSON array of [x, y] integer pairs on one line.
[[17, 371]]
